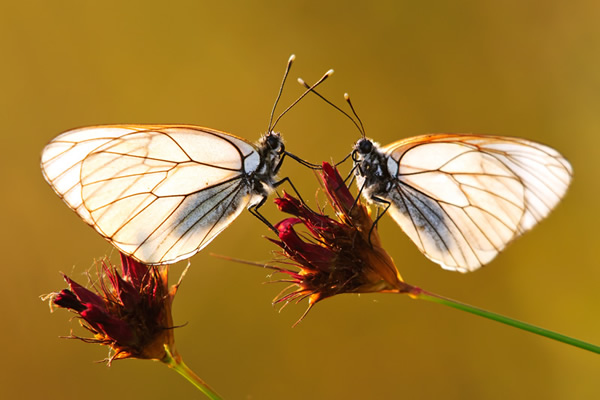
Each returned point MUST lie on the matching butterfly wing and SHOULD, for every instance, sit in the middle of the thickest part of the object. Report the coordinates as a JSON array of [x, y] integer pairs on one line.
[[158, 193], [62, 158], [462, 198]]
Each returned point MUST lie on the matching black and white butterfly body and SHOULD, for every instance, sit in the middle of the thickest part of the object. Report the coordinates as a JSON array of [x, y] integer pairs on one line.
[[372, 172], [271, 150], [462, 198]]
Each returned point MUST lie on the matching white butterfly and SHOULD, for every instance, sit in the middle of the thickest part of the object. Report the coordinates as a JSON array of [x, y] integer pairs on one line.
[[462, 198], [161, 193]]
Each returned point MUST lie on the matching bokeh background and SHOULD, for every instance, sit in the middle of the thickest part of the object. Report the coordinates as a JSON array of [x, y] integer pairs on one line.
[[528, 69]]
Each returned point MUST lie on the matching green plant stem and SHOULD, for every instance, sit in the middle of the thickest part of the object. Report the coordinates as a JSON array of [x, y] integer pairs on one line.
[[419, 293], [175, 362]]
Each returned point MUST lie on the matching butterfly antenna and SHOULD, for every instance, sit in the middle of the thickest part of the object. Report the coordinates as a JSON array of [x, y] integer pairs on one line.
[[362, 127], [285, 75], [310, 88], [359, 127]]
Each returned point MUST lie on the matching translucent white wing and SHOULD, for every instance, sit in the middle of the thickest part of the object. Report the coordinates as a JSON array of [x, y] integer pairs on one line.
[[62, 157], [158, 193], [463, 198]]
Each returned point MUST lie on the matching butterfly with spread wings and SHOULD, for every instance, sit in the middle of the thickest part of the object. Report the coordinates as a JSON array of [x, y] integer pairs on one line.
[[462, 198], [161, 193]]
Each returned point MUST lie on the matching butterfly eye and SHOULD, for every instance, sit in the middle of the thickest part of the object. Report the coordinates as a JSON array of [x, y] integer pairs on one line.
[[364, 146], [274, 143]]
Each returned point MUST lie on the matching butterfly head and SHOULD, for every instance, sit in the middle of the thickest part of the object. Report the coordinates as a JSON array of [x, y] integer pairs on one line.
[[273, 143], [271, 150], [362, 149], [369, 162], [366, 152]]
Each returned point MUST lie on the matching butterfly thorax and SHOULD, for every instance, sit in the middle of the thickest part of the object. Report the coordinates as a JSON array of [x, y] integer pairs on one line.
[[371, 168], [271, 150]]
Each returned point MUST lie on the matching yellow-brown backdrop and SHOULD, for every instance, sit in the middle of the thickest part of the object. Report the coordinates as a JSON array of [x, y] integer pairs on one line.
[[529, 69]]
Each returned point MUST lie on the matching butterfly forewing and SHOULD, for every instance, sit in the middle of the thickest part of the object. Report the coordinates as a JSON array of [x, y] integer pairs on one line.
[[462, 198], [158, 193]]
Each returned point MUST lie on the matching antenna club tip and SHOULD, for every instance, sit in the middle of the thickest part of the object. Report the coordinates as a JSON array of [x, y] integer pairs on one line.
[[329, 73], [346, 96], [292, 58], [301, 81]]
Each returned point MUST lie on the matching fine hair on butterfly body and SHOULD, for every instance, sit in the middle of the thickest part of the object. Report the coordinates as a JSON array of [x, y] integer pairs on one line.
[[161, 193], [460, 198]]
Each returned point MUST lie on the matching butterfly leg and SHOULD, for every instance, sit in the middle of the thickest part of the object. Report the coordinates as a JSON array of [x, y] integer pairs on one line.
[[254, 211], [384, 203], [351, 176], [357, 198], [299, 161], [343, 160], [288, 180]]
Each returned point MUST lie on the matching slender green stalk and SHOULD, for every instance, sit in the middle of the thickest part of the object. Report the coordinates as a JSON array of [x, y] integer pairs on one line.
[[175, 362], [419, 293]]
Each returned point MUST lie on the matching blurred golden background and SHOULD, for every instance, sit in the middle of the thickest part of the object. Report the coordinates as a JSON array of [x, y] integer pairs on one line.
[[528, 69]]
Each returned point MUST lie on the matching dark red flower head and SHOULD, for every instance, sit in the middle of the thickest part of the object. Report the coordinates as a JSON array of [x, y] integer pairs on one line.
[[130, 312], [334, 256]]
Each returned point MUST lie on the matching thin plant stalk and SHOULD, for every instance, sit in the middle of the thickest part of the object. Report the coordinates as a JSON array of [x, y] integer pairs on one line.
[[418, 293], [175, 362]]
